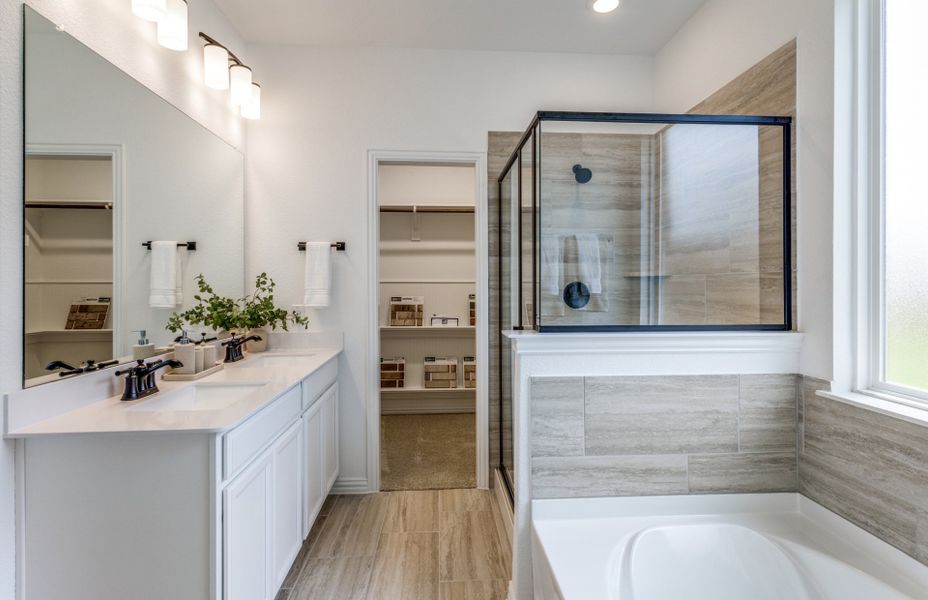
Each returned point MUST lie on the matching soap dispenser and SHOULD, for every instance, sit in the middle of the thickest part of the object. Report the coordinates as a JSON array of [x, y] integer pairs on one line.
[[143, 349], [185, 352]]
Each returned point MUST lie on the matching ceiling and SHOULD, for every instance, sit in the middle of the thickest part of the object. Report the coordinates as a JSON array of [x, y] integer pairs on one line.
[[636, 27]]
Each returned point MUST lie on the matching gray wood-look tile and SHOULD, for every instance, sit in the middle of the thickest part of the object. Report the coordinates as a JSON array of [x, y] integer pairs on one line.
[[743, 473], [808, 387], [353, 527], [597, 476], [683, 300], [455, 501], [733, 298], [921, 537], [283, 594], [661, 415], [768, 413], [497, 589], [301, 558], [345, 578], [414, 511], [406, 566], [870, 468], [854, 498], [557, 416], [471, 547]]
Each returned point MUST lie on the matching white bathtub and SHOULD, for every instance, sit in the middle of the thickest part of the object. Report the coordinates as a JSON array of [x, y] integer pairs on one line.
[[733, 547]]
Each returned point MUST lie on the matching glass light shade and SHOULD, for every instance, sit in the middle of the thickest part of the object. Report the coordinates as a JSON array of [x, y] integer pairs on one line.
[[216, 67], [251, 109], [150, 10], [172, 29], [240, 77], [605, 6]]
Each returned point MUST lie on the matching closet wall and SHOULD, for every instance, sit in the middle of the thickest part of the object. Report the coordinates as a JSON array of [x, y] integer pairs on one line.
[[427, 249]]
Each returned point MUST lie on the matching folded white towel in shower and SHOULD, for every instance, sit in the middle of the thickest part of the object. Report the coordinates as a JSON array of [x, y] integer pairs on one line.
[[551, 258], [165, 275], [317, 274], [591, 269]]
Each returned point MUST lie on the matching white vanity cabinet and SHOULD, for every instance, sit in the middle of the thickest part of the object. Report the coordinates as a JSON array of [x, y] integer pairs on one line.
[[186, 515], [263, 531]]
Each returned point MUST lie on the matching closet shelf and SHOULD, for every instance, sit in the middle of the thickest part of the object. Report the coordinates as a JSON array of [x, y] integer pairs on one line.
[[428, 331], [396, 208], [420, 391]]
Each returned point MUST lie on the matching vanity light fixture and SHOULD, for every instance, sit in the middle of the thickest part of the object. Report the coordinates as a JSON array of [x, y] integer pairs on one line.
[[251, 109], [605, 6], [216, 66], [172, 29], [240, 84], [150, 10], [222, 70]]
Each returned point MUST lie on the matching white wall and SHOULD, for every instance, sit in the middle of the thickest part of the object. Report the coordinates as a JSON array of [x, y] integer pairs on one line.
[[323, 109], [722, 40], [110, 28]]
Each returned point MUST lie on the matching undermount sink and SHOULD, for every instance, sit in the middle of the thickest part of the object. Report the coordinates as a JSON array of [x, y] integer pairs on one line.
[[270, 361], [200, 397]]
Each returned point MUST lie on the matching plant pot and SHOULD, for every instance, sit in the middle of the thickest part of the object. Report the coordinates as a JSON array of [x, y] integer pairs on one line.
[[253, 346]]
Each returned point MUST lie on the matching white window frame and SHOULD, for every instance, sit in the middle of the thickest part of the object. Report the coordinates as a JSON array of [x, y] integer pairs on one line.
[[868, 17]]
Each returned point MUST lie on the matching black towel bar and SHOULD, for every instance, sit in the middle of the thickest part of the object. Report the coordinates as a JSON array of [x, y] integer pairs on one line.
[[190, 246], [339, 246]]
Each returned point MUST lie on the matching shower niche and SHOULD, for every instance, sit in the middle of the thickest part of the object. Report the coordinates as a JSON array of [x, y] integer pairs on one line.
[[638, 222]]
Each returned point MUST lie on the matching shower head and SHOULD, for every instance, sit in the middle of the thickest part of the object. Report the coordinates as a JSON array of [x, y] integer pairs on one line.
[[582, 174]]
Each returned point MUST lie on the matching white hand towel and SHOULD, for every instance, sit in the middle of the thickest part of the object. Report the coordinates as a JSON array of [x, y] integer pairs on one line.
[[317, 274], [164, 274], [590, 262]]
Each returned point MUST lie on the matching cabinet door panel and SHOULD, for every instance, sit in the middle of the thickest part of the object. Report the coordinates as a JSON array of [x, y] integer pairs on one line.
[[314, 482], [247, 533], [288, 495], [330, 433]]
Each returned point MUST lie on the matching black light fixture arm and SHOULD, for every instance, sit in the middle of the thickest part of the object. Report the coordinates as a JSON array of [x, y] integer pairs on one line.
[[211, 40]]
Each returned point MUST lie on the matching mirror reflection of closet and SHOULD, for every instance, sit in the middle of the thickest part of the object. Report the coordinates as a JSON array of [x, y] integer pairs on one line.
[[68, 257]]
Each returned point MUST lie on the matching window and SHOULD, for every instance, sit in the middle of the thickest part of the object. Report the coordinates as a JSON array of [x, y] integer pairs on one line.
[[901, 311]]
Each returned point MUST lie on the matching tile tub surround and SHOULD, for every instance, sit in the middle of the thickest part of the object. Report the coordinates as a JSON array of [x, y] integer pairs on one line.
[[662, 435], [869, 468]]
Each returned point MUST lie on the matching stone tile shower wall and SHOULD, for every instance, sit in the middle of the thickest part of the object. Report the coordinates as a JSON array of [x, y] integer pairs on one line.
[[634, 436], [870, 468]]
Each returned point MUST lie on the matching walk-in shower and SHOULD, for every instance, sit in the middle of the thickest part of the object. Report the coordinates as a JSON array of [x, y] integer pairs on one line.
[[612, 222]]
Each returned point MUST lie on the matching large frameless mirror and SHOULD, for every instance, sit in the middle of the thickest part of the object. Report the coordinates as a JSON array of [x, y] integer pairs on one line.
[[111, 167]]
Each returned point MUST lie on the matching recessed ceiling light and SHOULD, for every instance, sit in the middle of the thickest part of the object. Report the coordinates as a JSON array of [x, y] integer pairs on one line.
[[605, 6]]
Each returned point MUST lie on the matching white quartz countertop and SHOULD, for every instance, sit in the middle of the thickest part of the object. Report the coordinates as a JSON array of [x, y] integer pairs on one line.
[[265, 382]]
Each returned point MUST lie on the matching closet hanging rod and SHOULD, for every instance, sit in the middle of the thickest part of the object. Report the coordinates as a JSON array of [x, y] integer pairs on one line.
[[190, 246], [463, 210], [339, 246], [82, 205]]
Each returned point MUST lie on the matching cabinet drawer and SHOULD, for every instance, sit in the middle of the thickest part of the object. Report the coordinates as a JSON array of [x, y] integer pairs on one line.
[[242, 443], [318, 382]]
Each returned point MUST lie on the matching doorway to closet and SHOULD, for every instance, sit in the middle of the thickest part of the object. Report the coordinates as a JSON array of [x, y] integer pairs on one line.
[[428, 353]]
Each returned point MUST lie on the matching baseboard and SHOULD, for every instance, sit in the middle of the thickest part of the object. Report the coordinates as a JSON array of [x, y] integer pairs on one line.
[[426, 406], [350, 486], [502, 500]]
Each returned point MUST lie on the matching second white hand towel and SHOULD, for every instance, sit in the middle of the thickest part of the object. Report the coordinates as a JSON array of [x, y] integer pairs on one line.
[[317, 273], [163, 282]]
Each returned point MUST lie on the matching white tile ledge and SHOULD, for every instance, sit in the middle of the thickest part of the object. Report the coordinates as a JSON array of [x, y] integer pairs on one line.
[[655, 343], [883, 404]]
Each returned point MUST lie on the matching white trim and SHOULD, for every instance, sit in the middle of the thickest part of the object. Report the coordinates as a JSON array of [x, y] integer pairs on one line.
[[481, 226], [19, 459], [859, 375], [350, 486], [116, 154]]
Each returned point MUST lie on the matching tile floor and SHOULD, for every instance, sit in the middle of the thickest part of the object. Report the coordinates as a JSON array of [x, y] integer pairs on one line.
[[411, 545]]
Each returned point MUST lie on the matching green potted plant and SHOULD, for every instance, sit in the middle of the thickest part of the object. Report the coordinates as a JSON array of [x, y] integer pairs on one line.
[[251, 314]]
